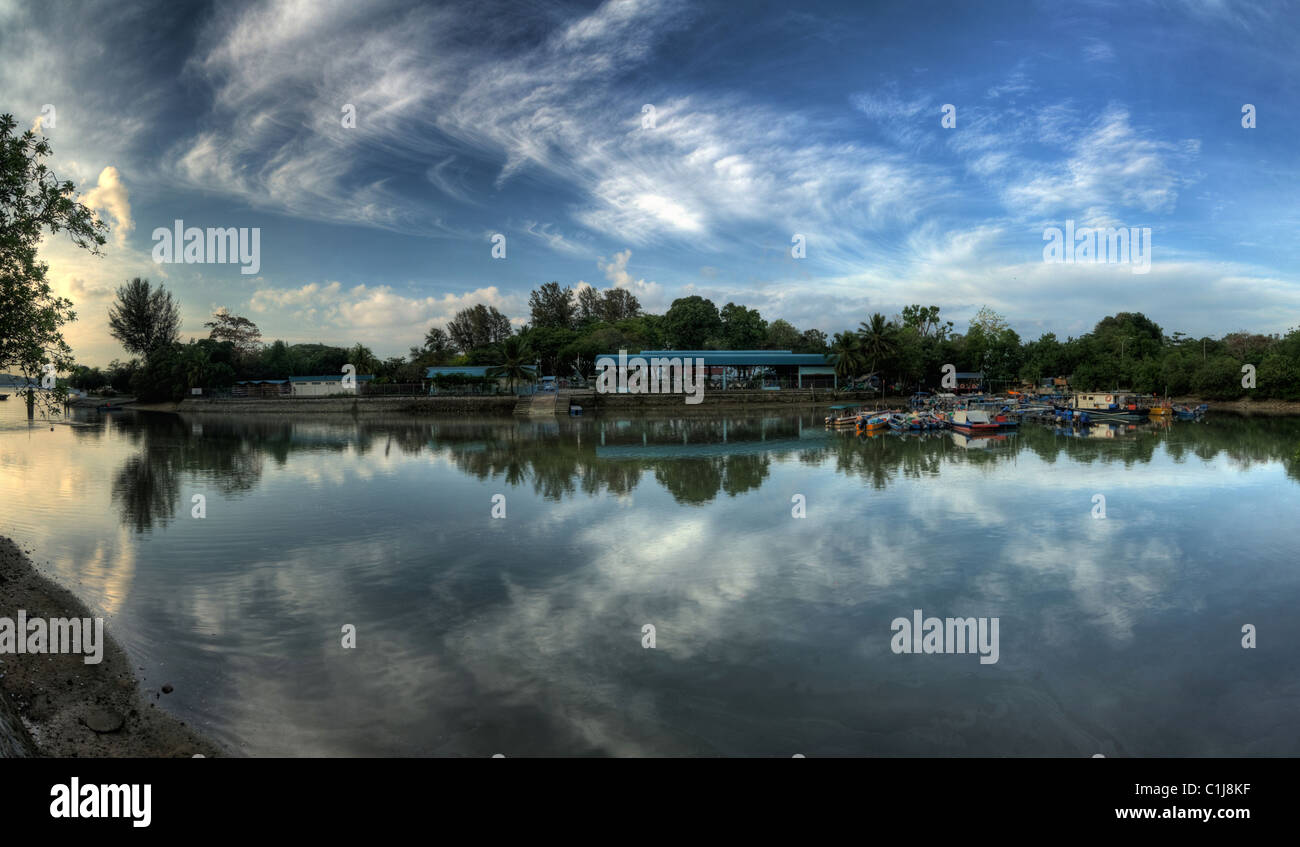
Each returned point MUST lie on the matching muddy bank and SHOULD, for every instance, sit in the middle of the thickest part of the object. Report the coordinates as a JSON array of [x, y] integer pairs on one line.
[[1244, 406], [56, 705]]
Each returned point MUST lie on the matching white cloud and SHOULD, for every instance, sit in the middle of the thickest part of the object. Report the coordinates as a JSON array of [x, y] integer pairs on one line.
[[110, 194], [649, 294]]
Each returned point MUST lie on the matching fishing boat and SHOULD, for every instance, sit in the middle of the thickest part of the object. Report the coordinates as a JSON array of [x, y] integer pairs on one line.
[[911, 422], [1110, 407], [874, 422], [845, 414], [1190, 413], [974, 422]]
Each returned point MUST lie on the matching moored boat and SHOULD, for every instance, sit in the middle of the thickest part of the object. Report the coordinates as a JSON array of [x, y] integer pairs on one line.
[[1190, 413], [973, 422], [873, 422], [1109, 407], [845, 414]]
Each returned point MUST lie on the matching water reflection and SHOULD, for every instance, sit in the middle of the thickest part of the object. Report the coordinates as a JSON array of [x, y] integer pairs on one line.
[[523, 635], [695, 460]]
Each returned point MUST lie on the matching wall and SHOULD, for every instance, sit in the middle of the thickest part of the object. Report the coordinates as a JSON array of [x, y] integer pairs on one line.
[[357, 405]]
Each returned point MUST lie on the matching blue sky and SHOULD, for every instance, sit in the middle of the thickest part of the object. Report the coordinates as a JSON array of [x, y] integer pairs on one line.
[[525, 119]]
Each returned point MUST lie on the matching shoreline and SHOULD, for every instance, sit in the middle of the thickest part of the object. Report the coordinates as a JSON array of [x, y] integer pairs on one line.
[[47, 700], [504, 406]]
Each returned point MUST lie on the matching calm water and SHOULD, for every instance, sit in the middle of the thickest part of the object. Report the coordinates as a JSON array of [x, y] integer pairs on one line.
[[523, 635]]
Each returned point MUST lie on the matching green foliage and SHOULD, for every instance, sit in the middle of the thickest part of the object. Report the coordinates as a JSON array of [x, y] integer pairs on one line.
[[692, 323], [144, 319], [552, 307], [32, 202], [515, 360], [742, 328], [478, 326], [781, 335]]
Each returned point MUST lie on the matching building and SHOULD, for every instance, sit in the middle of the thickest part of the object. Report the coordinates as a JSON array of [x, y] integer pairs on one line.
[[324, 386], [970, 382], [261, 388], [770, 370], [473, 379]]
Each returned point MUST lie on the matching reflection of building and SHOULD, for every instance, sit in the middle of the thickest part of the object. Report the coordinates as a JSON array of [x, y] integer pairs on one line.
[[746, 369]]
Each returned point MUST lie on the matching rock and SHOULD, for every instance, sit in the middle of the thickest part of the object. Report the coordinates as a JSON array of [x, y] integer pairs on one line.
[[40, 709], [103, 720], [167, 688]]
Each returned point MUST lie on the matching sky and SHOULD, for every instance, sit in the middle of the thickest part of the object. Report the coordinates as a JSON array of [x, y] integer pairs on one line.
[[765, 121]]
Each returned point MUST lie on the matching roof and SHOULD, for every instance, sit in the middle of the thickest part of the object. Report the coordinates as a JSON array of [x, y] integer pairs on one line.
[[732, 357], [464, 370], [330, 378], [261, 381], [975, 375]]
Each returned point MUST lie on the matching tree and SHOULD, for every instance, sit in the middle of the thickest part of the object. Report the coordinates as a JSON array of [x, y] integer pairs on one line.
[[32, 200], [589, 304], [846, 355], [514, 361], [925, 320], [989, 321], [781, 335], [479, 326], [812, 341], [691, 322], [618, 304], [239, 331], [278, 361], [878, 342], [742, 328], [438, 346], [144, 320], [552, 306], [547, 344], [363, 359]]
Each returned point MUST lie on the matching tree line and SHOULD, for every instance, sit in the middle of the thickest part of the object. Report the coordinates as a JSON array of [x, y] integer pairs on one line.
[[568, 329]]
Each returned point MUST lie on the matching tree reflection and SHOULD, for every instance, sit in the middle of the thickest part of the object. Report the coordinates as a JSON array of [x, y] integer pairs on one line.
[[694, 459]]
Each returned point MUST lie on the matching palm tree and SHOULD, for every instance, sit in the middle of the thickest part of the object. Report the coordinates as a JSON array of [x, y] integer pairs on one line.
[[877, 339], [846, 355], [514, 361], [194, 363]]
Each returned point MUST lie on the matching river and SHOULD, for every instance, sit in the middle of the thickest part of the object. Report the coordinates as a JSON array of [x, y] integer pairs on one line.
[[526, 634]]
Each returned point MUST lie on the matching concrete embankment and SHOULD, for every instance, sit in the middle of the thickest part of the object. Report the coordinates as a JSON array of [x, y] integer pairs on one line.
[[57, 705], [714, 401], [468, 406], [630, 404], [506, 405]]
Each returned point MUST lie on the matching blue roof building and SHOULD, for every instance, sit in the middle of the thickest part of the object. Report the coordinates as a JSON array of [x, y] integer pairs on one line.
[[766, 369]]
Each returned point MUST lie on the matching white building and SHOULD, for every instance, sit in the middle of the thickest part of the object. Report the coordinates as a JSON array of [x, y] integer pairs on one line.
[[324, 386]]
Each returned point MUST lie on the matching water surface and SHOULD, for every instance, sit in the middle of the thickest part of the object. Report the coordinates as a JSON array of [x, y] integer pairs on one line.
[[523, 635]]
